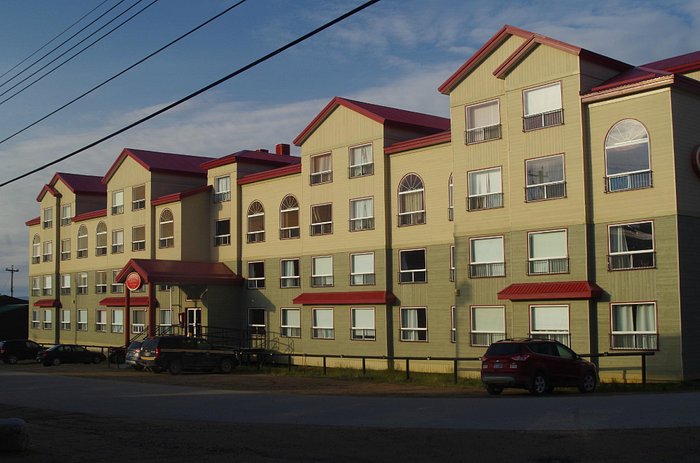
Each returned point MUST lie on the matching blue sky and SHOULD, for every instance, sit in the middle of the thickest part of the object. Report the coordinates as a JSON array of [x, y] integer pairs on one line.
[[395, 53]]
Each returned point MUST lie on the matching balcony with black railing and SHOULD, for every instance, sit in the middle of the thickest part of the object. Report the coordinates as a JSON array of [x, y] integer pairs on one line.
[[542, 120], [481, 134], [628, 181]]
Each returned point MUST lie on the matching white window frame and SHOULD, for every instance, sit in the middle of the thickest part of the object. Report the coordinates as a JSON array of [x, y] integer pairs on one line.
[[409, 186], [641, 339], [410, 332], [47, 221], [65, 284], [320, 176], [484, 336], [36, 249], [36, 286], [483, 132], [413, 275], [539, 119], [540, 189], [47, 251], [321, 228], [552, 263], [118, 241], [487, 268], [138, 203], [321, 279], [256, 282], [492, 198], [82, 324], [631, 179], [166, 240], [47, 289], [453, 324], [453, 270], [47, 322], [360, 331], [117, 322], [100, 240], [285, 208], [551, 330], [66, 214], [360, 169], [222, 239], [101, 321], [288, 328], [255, 236], [319, 330], [631, 260], [65, 249], [36, 320], [138, 321], [365, 222], [359, 278], [65, 319], [100, 282], [82, 287], [290, 281], [116, 288], [117, 202], [138, 245], [222, 189], [451, 198]]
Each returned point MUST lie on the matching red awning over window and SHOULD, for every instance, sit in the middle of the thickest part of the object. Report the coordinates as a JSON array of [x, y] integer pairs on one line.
[[140, 301], [553, 290], [346, 298], [46, 303]]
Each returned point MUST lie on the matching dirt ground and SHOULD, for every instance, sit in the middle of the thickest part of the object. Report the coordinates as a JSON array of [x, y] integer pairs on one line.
[[72, 437]]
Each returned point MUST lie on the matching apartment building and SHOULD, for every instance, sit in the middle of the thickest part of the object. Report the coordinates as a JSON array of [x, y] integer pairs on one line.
[[560, 200]]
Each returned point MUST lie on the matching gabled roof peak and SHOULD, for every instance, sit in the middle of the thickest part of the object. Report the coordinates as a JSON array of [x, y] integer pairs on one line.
[[155, 161]]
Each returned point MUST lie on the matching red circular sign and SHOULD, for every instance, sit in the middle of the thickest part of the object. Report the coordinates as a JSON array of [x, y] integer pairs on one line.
[[133, 281]]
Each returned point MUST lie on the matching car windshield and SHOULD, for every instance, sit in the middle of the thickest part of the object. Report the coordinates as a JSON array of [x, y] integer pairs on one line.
[[506, 348], [135, 345]]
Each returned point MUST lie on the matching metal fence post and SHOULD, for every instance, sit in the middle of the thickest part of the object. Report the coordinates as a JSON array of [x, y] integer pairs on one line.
[[324, 365], [644, 369], [364, 367]]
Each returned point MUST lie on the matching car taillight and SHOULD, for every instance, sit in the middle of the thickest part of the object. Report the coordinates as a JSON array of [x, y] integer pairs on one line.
[[521, 358], [157, 351]]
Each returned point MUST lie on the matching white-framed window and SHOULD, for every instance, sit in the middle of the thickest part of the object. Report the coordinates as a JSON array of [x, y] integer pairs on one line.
[[322, 271], [547, 252], [321, 219], [36, 321], [101, 321], [627, 161], [82, 283], [117, 202], [100, 241], [100, 282], [65, 249], [486, 258], [362, 269], [82, 320], [165, 321], [257, 324], [116, 288], [138, 238], [414, 324], [322, 323], [452, 263], [65, 319], [48, 218], [117, 241], [412, 266], [634, 326], [361, 214], [363, 327], [542, 107], [36, 286], [483, 122], [488, 325], [485, 189], [290, 276], [66, 214], [289, 218], [222, 232], [321, 169], [48, 319], [411, 201], [550, 322], [291, 323], [451, 198], [256, 222], [361, 161], [48, 251], [256, 275], [138, 197], [545, 178], [117, 325], [48, 286], [453, 324], [36, 249], [166, 228], [631, 246], [222, 189], [138, 321], [65, 284]]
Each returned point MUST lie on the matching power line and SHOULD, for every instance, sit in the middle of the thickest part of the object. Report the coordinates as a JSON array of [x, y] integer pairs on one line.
[[75, 54], [191, 31], [54, 38], [198, 92], [62, 43]]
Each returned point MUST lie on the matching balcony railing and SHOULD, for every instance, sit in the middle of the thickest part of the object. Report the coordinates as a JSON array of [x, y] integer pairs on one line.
[[485, 270], [480, 134], [632, 260], [547, 119], [487, 201], [628, 181], [222, 196], [543, 266], [545, 191]]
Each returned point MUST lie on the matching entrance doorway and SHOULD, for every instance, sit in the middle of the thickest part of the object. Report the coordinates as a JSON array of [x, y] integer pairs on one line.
[[194, 321]]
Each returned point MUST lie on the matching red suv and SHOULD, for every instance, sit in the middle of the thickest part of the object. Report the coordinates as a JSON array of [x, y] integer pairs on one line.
[[538, 365]]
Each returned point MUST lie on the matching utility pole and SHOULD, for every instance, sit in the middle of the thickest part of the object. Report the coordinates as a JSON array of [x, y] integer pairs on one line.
[[12, 271]]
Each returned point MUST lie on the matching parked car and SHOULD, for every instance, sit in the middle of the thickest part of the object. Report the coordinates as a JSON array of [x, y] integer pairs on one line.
[[13, 350], [537, 365], [178, 353], [133, 355], [68, 353]]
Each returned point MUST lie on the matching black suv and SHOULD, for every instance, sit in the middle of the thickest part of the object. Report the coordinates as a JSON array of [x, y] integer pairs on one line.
[[538, 365], [19, 349], [178, 353]]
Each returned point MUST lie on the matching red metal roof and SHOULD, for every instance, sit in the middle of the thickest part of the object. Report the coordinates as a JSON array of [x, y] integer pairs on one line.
[[268, 174], [174, 197], [155, 161], [141, 301], [254, 157], [422, 142], [34, 221], [90, 215], [181, 272], [48, 189], [346, 298], [79, 183], [378, 113], [47, 303], [551, 290]]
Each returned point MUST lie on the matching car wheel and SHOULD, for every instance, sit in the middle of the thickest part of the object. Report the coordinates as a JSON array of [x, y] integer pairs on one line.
[[12, 359], [539, 385], [226, 366], [56, 362], [96, 359], [494, 390], [588, 382], [175, 367]]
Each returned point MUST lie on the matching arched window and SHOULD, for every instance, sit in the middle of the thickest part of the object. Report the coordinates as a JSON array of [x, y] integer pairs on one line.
[[36, 249], [627, 164], [289, 218], [411, 201], [451, 199], [82, 244], [167, 229], [256, 222], [101, 242]]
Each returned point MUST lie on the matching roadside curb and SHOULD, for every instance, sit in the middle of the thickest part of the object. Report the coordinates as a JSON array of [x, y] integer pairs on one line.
[[14, 436]]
